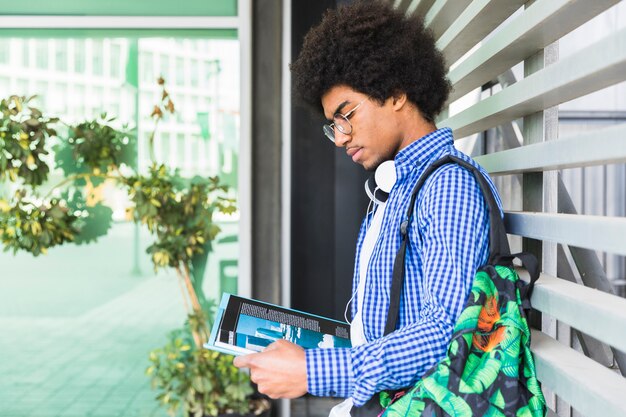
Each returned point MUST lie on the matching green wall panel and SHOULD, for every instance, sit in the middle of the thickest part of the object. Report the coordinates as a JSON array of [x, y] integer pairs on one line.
[[121, 7]]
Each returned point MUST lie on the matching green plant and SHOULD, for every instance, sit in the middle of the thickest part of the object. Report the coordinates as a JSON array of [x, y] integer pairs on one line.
[[24, 133], [177, 211], [32, 227], [32, 221], [199, 381]]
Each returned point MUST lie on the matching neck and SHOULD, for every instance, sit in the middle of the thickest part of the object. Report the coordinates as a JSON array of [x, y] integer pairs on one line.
[[415, 127]]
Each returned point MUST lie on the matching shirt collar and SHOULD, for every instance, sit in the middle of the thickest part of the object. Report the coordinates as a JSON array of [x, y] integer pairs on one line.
[[422, 150]]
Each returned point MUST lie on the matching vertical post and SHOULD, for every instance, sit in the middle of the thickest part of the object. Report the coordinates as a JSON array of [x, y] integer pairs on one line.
[[245, 148], [132, 82], [285, 238], [539, 191], [285, 249], [266, 150]]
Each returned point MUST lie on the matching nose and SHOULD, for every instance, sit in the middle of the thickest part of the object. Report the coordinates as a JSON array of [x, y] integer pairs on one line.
[[341, 138]]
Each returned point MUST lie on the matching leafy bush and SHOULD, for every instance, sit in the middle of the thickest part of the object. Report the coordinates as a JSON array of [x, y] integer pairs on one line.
[[24, 132], [201, 382]]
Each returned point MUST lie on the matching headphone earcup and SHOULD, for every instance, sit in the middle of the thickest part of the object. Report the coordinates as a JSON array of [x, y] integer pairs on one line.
[[380, 183], [375, 194], [385, 176]]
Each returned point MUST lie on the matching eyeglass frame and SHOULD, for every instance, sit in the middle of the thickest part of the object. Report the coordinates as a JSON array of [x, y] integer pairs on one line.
[[329, 129]]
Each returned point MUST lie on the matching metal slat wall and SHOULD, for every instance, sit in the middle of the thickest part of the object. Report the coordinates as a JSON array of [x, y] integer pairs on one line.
[[580, 348]]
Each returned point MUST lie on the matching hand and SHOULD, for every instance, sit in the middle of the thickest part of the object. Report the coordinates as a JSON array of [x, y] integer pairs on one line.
[[279, 371]]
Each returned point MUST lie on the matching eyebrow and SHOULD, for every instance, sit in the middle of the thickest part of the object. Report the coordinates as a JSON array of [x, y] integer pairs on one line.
[[338, 109]]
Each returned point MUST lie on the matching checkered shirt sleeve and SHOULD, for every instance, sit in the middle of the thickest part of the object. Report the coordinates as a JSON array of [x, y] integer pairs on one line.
[[448, 243]]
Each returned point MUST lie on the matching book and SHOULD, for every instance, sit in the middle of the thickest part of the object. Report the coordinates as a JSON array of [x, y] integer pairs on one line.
[[244, 325]]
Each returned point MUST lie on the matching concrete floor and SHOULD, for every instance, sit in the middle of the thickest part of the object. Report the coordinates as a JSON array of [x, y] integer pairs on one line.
[[77, 327]]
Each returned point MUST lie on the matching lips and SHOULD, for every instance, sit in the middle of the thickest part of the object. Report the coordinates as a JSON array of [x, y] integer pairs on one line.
[[354, 153]]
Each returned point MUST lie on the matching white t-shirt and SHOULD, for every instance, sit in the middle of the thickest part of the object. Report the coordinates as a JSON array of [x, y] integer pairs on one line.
[[357, 335]]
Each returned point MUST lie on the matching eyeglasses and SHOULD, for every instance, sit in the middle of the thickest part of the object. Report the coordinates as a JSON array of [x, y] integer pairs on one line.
[[340, 122]]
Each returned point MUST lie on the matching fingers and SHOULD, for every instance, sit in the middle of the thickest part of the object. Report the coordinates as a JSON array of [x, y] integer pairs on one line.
[[246, 361], [243, 361], [272, 346], [265, 391], [277, 345], [279, 371], [254, 378]]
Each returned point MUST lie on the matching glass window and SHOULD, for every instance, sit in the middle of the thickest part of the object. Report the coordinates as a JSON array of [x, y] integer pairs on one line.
[[194, 153], [4, 84], [194, 70], [25, 53], [22, 87], [163, 148], [4, 52], [180, 151], [164, 72], [180, 71], [190, 115], [78, 78], [41, 91], [80, 57], [146, 67], [60, 55], [76, 103], [41, 54], [95, 100], [115, 60], [58, 106], [96, 57]]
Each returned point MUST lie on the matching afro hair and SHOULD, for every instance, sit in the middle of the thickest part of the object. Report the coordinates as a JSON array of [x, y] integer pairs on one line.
[[376, 50]]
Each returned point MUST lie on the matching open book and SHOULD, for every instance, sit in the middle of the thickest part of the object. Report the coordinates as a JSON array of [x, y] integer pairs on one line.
[[245, 326]]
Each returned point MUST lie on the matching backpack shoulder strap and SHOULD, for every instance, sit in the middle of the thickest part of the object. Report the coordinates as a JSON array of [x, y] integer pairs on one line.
[[498, 242]]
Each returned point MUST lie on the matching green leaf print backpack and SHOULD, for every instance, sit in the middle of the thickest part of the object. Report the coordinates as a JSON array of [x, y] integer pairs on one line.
[[488, 369]]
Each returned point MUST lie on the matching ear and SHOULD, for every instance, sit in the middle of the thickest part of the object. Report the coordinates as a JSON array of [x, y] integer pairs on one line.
[[398, 100]]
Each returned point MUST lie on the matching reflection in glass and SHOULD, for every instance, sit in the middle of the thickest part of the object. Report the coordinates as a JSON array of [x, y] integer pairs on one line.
[[80, 58], [79, 78], [60, 55]]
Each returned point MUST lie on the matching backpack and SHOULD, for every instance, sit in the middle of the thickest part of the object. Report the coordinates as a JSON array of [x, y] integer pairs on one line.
[[488, 369]]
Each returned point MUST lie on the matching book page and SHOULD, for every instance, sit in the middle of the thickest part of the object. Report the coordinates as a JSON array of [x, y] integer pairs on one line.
[[249, 326]]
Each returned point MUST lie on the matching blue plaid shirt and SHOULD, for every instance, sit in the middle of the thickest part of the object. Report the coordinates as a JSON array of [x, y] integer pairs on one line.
[[448, 242]]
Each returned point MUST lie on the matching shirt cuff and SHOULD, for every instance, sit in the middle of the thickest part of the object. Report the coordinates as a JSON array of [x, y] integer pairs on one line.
[[329, 372]]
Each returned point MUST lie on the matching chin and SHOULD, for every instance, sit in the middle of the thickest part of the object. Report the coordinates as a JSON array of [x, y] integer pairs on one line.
[[369, 166], [372, 165]]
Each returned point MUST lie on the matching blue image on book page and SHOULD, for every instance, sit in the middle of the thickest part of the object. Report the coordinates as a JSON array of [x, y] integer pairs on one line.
[[255, 334]]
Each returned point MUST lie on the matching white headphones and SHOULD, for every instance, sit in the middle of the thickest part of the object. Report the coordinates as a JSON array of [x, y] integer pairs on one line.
[[380, 183]]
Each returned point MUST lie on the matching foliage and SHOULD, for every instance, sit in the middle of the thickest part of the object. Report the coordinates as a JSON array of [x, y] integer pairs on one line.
[[178, 211], [165, 105], [23, 135], [94, 147], [200, 381], [89, 155], [34, 228], [93, 219]]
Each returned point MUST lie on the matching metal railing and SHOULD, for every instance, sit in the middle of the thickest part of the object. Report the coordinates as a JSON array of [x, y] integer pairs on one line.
[[579, 349]]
